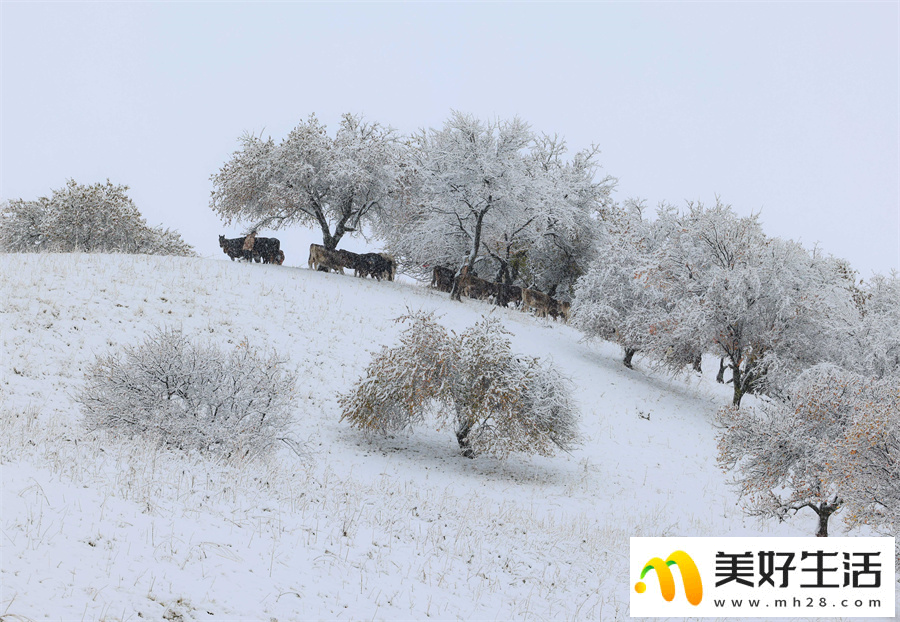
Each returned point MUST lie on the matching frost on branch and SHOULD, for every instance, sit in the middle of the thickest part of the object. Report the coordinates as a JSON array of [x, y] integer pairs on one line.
[[496, 401], [100, 218], [612, 301], [191, 396]]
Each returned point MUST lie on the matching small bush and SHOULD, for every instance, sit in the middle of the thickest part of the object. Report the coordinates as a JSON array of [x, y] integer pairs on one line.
[[496, 401], [100, 218], [191, 396]]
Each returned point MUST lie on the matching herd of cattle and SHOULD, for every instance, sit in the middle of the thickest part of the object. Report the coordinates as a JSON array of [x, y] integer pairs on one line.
[[380, 266], [377, 265], [471, 286]]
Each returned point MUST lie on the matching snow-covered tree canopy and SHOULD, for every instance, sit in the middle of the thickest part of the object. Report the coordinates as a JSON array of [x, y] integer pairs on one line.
[[501, 200], [496, 401], [783, 451], [611, 300], [709, 281], [876, 339], [98, 218], [866, 463], [309, 178]]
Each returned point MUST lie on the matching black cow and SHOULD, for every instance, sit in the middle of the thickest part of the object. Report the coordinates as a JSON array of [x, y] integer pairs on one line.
[[267, 249], [233, 247], [376, 265], [442, 279], [351, 261], [509, 294]]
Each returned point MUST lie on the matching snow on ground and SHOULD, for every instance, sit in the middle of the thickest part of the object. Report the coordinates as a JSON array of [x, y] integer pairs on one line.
[[351, 527]]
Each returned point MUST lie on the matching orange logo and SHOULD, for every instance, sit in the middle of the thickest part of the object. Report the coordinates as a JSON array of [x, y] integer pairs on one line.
[[690, 576]]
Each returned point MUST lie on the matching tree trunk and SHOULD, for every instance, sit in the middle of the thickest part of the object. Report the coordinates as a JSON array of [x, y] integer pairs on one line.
[[698, 361], [473, 254], [824, 512], [455, 291], [462, 437], [720, 377], [503, 282], [738, 384], [629, 354]]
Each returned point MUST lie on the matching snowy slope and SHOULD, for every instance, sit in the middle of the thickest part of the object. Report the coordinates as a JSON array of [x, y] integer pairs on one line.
[[355, 527]]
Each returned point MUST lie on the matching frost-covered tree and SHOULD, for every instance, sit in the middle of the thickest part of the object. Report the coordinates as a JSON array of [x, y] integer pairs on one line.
[[22, 225], [557, 240], [98, 218], [766, 305], [338, 183], [191, 395], [496, 198], [611, 300], [783, 452], [876, 336], [866, 462], [495, 401]]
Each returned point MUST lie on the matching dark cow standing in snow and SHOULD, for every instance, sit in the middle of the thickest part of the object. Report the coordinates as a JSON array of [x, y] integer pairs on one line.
[[559, 310], [509, 294], [267, 250], [442, 279], [232, 247], [349, 260], [376, 265]]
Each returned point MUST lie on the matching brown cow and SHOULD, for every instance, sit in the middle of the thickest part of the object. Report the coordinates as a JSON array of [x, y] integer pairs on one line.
[[320, 258], [539, 301], [474, 287], [316, 255], [560, 310], [330, 263]]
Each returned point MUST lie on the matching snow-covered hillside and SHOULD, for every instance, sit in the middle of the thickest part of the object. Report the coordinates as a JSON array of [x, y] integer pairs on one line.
[[356, 527]]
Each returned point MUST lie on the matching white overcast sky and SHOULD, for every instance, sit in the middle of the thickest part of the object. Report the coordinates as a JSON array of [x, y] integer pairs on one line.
[[789, 109]]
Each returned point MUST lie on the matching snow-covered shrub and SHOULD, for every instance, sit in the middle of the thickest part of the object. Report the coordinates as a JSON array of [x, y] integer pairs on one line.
[[100, 218], [190, 395], [496, 401]]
